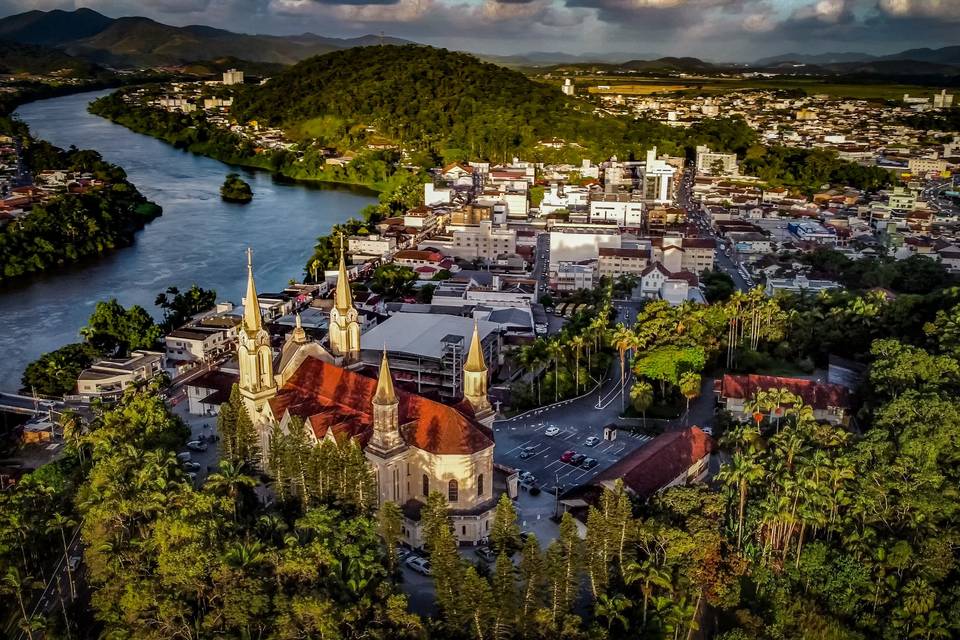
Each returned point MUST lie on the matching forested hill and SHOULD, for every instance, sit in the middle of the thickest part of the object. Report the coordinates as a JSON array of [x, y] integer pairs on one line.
[[417, 93]]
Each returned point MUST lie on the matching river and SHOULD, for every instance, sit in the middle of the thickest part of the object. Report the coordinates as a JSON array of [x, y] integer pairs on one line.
[[198, 239]]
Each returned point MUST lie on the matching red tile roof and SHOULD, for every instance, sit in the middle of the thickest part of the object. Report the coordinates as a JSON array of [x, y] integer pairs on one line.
[[651, 467], [817, 395], [330, 397]]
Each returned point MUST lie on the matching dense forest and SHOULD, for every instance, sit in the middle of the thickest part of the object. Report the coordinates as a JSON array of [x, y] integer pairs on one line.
[[71, 226]]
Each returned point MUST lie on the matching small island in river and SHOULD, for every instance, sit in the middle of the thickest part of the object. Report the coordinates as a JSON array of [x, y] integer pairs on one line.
[[235, 189]]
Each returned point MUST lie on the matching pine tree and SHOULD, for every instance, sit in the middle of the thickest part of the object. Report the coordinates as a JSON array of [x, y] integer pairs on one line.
[[445, 563], [476, 591], [504, 597], [276, 461], [358, 487], [390, 525], [296, 455], [564, 565], [505, 535], [247, 445], [597, 552], [532, 580], [227, 425]]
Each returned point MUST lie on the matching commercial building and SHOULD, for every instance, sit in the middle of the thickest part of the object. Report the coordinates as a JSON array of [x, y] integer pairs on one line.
[[572, 276], [484, 241], [232, 76], [428, 350], [799, 284], [107, 379], [613, 262], [616, 208], [363, 248], [830, 402], [657, 179], [808, 231]]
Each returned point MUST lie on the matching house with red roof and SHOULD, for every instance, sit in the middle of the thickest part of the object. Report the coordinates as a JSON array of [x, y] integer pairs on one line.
[[672, 459], [830, 402]]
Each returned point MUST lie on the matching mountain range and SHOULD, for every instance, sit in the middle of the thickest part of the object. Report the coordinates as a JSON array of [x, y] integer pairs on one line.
[[90, 37], [141, 42]]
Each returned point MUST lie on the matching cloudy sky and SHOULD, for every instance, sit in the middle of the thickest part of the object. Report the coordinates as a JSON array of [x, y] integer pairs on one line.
[[728, 30]]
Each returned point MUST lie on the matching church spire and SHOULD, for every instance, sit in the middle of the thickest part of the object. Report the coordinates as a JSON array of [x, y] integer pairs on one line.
[[385, 394], [252, 322], [475, 361], [344, 300], [386, 438], [475, 378]]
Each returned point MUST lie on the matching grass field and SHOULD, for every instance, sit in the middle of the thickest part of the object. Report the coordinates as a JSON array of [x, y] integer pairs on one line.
[[714, 86]]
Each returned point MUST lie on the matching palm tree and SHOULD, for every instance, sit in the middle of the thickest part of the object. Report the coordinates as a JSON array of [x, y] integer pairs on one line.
[[555, 349], [641, 396], [60, 522], [245, 555], [577, 342], [650, 575], [741, 471], [612, 608], [230, 480], [623, 339], [14, 584], [690, 388]]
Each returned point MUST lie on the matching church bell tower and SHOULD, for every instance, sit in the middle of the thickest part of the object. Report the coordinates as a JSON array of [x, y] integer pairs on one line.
[[386, 413], [344, 333], [475, 379], [257, 384]]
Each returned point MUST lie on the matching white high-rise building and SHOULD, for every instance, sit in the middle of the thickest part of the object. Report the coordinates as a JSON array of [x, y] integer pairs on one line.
[[568, 88], [232, 76]]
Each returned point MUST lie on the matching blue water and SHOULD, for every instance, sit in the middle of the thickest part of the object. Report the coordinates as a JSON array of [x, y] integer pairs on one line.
[[199, 239]]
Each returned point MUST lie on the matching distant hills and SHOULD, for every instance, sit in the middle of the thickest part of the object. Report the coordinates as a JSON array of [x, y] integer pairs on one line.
[[16, 58], [140, 42], [944, 55], [92, 38]]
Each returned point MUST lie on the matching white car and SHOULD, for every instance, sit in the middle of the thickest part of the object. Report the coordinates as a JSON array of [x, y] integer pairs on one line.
[[592, 441], [551, 431], [196, 445], [418, 564], [707, 430]]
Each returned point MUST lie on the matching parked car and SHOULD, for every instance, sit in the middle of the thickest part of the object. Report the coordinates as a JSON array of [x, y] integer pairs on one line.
[[567, 456], [592, 441], [486, 553], [403, 553], [707, 430], [418, 564], [528, 452], [74, 562], [526, 475], [551, 431], [577, 459], [588, 463], [191, 466], [184, 457], [196, 445]]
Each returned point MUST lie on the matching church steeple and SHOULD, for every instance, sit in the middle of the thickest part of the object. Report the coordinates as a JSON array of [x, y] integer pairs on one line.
[[257, 384], [386, 412], [252, 321], [344, 333], [475, 375], [344, 297]]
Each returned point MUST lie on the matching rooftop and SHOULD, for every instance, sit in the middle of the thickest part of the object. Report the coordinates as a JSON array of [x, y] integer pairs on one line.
[[419, 333]]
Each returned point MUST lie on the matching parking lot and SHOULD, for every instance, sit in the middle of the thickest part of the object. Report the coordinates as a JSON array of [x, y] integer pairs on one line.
[[545, 463]]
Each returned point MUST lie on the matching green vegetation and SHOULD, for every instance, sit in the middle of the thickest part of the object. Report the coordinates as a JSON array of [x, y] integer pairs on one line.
[[178, 307], [18, 58], [112, 331], [809, 169], [235, 189], [916, 274], [71, 226]]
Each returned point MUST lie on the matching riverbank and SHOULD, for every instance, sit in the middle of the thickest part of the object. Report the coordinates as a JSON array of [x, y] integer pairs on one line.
[[198, 239], [192, 133]]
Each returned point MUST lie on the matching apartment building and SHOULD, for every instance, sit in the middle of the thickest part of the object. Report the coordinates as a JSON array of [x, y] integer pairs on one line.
[[362, 248], [695, 255], [485, 240], [715, 163]]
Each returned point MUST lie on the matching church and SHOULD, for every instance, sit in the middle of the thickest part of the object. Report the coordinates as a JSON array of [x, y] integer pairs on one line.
[[414, 445]]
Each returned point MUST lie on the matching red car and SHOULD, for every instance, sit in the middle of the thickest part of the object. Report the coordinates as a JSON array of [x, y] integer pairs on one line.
[[567, 456]]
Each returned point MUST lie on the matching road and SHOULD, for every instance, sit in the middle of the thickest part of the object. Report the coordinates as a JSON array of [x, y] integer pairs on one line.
[[932, 193], [722, 262]]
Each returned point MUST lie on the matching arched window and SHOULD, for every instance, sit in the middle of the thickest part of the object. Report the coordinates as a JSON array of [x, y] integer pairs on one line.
[[426, 485], [453, 492], [480, 485]]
